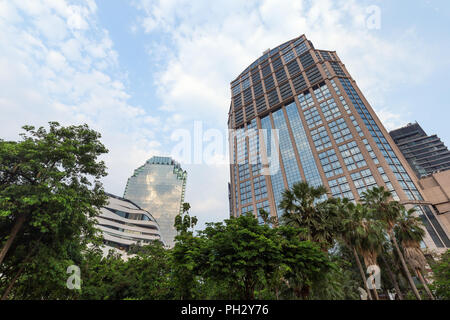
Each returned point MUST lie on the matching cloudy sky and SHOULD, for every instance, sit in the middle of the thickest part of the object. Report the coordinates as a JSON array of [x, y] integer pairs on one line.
[[139, 71]]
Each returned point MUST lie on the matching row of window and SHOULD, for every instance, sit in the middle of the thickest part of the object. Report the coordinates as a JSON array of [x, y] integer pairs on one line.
[[363, 181], [351, 154], [383, 145], [313, 75], [288, 55], [340, 188], [306, 60], [320, 138], [330, 163], [340, 131], [304, 151], [286, 149], [276, 174], [312, 117]]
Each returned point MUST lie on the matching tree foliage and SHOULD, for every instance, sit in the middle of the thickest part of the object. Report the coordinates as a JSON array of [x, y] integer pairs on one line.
[[441, 277], [303, 208], [241, 253], [50, 194]]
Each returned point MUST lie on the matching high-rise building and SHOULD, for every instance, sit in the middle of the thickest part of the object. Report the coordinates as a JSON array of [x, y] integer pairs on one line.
[[158, 187], [303, 103], [123, 223], [426, 154]]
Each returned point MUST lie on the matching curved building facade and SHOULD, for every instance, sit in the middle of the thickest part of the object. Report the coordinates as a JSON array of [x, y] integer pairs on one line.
[[159, 186], [124, 223], [296, 114]]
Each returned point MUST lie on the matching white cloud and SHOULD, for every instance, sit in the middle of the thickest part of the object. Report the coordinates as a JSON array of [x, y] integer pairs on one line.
[[52, 27], [71, 49], [392, 120], [213, 44], [58, 64]]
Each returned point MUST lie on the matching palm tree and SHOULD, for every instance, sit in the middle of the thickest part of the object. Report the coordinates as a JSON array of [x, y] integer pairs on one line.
[[267, 218], [350, 217], [386, 256], [409, 231], [302, 209], [378, 201], [313, 219], [370, 237]]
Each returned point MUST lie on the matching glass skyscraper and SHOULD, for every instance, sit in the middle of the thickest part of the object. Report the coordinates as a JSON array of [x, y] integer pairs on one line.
[[158, 187], [311, 110]]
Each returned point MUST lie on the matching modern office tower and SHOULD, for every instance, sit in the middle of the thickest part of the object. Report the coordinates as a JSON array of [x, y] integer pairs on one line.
[[158, 187], [297, 114], [124, 223], [426, 154]]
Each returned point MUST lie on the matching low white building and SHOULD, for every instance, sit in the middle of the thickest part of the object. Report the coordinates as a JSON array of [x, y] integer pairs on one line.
[[124, 223]]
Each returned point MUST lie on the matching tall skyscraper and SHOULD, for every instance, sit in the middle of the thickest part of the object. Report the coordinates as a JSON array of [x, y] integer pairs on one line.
[[158, 187], [327, 134], [426, 154]]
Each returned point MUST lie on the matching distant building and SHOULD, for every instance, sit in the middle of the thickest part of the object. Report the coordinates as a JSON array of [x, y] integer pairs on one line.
[[123, 223], [297, 114], [158, 187], [436, 189], [426, 154]]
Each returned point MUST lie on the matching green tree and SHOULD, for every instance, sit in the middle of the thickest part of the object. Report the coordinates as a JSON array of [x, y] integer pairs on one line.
[[186, 256], [441, 276], [369, 242], [341, 282], [378, 200], [241, 253], [410, 232], [349, 231], [183, 221], [151, 270], [104, 277], [50, 192], [145, 274], [302, 209], [44, 276], [304, 262], [267, 218], [362, 234], [390, 265]]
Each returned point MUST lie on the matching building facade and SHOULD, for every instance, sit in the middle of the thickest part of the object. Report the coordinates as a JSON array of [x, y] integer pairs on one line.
[[296, 114], [436, 189], [426, 154], [158, 187], [123, 223]]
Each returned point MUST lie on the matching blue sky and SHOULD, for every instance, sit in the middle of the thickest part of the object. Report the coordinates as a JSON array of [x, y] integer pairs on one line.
[[138, 70]]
